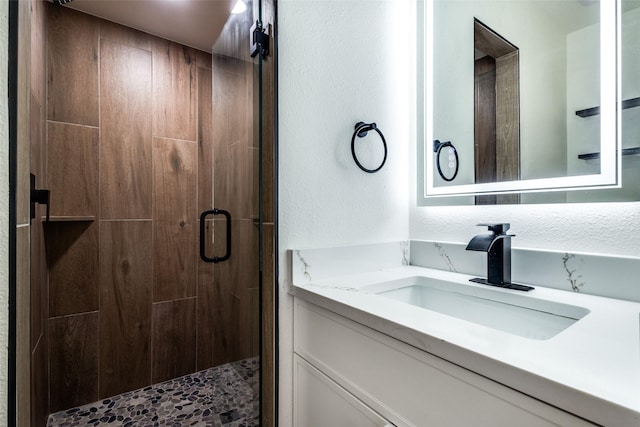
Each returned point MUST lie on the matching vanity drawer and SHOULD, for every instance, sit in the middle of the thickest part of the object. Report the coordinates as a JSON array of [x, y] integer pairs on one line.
[[408, 386], [320, 402]]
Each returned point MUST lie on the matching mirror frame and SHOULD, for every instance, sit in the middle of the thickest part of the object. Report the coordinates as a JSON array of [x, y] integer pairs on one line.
[[610, 123]]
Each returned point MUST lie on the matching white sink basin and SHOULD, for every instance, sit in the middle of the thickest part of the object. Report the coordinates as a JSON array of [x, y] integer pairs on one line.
[[507, 311]]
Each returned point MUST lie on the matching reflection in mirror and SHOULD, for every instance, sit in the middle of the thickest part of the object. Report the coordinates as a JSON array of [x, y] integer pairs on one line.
[[446, 154], [496, 108], [630, 115], [505, 81]]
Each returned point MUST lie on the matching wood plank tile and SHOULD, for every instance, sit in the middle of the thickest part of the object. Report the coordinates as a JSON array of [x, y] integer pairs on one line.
[[203, 59], [232, 101], [73, 357], [240, 272], [245, 268], [127, 36], [235, 327], [23, 343], [72, 66], [72, 169], [222, 173], [72, 259], [38, 284], [234, 290], [235, 180], [22, 174], [243, 182], [126, 147], [249, 324], [254, 154], [125, 305], [251, 101], [205, 140], [29, 290], [208, 299], [174, 339], [37, 156], [268, 139], [269, 293], [228, 328], [37, 149], [226, 342], [267, 375], [174, 90], [174, 224], [40, 383], [234, 161], [38, 50], [38, 264], [23, 117]]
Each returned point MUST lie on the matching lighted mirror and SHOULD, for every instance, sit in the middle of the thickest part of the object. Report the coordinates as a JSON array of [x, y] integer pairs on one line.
[[524, 94]]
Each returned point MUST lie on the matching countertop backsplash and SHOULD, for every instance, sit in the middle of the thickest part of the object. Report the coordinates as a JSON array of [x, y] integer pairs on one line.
[[594, 274], [313, 265]]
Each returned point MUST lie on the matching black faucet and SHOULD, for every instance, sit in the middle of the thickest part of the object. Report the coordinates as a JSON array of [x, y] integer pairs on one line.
[[497, 245]]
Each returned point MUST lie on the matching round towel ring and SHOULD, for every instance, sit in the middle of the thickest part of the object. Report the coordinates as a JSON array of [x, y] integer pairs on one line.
[[437, 148], [361, 130]]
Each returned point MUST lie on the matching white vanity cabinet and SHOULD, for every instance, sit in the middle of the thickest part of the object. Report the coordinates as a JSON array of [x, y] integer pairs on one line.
[[319, 401], [345, 371]]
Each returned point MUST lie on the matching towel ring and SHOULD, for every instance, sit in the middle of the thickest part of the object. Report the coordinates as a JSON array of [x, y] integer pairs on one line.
[[437, 147], [361, 130]]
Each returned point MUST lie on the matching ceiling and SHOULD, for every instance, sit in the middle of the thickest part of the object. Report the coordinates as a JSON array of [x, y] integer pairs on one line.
[[195, 23]]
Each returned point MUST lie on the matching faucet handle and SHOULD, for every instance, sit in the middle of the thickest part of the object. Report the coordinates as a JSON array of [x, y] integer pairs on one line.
[[499, 228]]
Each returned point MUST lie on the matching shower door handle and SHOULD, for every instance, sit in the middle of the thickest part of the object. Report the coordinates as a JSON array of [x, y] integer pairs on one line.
[[41, 197], [203, 254]]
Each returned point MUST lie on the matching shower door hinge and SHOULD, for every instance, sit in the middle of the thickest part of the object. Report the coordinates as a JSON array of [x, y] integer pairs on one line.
[[259, 40]]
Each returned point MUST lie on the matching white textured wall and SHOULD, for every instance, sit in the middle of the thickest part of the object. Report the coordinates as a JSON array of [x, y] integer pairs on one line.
[[339, 62], [601, 228], [4, 209]]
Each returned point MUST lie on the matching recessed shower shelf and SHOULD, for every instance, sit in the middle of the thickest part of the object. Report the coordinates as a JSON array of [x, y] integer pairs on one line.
[[625, 152], [594, 111], [69, 218]]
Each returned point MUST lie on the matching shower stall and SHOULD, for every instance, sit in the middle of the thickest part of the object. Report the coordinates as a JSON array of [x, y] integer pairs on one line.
[[146, 284]]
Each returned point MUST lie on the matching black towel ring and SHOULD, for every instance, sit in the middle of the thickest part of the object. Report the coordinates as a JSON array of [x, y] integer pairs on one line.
[[437, 147], [361, 130]]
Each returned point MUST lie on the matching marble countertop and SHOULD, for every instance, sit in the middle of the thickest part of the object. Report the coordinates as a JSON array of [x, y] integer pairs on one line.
[[591, 369]]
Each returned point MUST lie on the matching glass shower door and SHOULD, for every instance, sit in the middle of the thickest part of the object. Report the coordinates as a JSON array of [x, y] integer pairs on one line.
[[232, 224]]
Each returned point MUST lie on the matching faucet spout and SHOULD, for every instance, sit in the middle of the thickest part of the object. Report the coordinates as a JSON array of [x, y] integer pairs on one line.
[[481, 242], [497, 245]]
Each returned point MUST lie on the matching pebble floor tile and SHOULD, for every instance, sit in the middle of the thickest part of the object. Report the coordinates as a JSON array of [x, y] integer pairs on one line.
[[225, 395]]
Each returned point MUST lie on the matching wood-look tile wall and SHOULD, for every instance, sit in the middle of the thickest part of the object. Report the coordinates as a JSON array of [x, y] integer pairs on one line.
[[134, 123], [72, 153], [125, 129], [268, 289], [31, 280], [125, 298]]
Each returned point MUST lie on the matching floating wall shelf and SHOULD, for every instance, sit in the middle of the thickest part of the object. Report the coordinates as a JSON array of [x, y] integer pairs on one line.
[[625, 152], [594, 111]]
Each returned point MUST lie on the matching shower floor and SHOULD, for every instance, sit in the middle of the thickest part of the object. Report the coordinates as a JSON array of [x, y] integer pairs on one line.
[[225, 395]]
